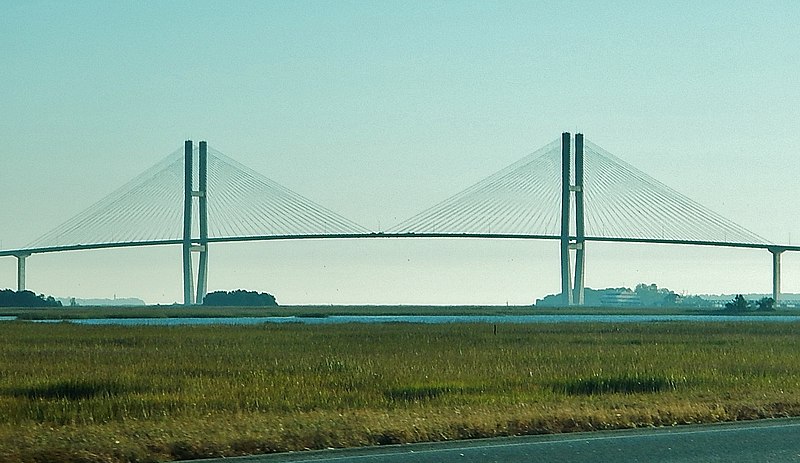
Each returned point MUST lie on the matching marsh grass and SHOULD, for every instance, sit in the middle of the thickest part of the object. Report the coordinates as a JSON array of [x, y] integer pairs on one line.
[[148, 393], [72, 389], [627, 384], [417, 393]]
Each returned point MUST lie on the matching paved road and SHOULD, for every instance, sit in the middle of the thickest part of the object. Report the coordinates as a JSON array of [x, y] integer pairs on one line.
[[755, 441]]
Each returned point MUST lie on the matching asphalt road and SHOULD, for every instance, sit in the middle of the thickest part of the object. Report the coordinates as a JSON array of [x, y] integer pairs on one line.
[[754, 441]]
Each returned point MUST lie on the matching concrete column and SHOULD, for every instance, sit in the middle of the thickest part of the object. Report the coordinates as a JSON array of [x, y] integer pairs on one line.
[[21, 271], [776, 274], [580, 239], [566, 284], [202, 271], [188, 296]]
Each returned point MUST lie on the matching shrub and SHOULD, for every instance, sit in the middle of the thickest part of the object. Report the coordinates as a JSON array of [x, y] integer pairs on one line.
[[239, 298]]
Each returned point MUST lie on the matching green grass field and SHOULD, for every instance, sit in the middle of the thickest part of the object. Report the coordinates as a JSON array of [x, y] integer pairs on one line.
[[110, 393]]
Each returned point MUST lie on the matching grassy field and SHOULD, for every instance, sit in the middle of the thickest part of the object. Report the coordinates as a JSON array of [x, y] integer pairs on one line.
[[124, 394]]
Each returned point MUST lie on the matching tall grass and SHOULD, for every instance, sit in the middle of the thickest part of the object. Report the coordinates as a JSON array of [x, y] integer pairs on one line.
[[139, 393]]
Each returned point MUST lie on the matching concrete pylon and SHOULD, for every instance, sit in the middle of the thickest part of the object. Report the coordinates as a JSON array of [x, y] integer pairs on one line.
[[21, 271], [188, 280], [572, 294], [580, 235], [566, 199], [202, 194], [776, 273]]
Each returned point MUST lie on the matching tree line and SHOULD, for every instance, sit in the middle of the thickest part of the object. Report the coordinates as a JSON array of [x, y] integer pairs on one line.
[[11, 298]]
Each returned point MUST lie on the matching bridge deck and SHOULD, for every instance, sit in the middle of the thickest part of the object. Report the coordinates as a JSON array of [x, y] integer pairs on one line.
[[81, 247]]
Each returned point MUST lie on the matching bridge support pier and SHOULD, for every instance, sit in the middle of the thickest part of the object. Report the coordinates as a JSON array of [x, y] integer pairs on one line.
[[776, 273], [21, 271]]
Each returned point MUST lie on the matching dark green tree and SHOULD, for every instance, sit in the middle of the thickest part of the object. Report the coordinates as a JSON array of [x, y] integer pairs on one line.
[[653, 296], [738, 304], [765, 304]]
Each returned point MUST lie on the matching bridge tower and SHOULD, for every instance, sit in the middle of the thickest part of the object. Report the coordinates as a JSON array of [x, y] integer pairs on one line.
[[572, 294], [191, 244], [201, 193]]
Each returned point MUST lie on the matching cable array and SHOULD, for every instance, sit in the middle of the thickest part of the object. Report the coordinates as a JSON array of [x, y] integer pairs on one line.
[[147, 208], [523, 198], [241, 203], [624, 202], [621, 202]]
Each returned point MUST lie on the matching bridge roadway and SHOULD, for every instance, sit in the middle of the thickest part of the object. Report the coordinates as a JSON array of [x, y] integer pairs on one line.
[[775, 249], [773, 440], [232, 239]]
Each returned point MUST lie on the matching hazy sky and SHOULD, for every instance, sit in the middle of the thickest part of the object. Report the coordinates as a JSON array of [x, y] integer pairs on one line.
[[380, 109]]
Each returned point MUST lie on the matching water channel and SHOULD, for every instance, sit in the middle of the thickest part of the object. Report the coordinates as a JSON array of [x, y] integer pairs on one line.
[[429, 319]]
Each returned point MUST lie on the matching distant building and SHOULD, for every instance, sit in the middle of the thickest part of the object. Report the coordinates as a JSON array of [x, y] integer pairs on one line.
[[620, 298]]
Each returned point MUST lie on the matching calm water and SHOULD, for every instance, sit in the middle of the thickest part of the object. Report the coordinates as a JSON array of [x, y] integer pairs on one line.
[[433, 319]]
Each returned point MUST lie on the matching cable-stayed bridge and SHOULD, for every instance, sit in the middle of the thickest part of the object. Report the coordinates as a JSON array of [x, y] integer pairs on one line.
[[571, 191]]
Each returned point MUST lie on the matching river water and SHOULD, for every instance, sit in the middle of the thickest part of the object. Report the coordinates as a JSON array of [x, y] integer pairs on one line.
[[428, 319]]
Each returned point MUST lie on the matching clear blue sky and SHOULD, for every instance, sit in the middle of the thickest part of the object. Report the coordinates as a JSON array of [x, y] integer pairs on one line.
[[381, 109]]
